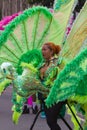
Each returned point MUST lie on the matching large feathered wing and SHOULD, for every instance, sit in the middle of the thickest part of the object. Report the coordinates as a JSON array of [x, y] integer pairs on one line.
[[62, 12], [31, 29], [26, 32], [72, 81], [76, 39]]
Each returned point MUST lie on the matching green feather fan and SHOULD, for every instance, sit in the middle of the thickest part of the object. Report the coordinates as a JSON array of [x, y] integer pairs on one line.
[[26, 32]]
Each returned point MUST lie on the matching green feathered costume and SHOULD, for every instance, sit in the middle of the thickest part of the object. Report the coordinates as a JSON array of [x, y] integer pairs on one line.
[[30, 31]]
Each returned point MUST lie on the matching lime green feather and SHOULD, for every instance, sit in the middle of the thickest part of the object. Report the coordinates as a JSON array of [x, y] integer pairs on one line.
[[4, 84], [18, 102], [76, 126], [85, 122], [15, 117], [29, 66]]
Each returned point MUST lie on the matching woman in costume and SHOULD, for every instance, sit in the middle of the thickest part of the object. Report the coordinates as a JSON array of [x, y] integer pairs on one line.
[[32, 36], [48, 72]]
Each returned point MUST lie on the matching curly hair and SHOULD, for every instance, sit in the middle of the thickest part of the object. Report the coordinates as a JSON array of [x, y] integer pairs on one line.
[[55, 48]]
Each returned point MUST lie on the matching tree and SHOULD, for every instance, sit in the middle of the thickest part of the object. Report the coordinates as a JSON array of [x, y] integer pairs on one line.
[[9, 7], [47, 3]]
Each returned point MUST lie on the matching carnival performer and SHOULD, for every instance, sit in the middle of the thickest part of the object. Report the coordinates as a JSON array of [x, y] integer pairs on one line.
[[48, 72]]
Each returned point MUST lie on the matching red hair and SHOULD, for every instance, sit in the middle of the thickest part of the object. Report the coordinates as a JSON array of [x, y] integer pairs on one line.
[[55, 48]]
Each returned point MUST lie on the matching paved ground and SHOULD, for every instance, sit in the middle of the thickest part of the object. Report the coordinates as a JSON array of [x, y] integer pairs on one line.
[[25, 120]]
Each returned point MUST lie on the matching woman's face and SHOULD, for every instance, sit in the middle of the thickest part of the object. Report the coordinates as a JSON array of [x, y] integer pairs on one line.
[[46, 52]]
